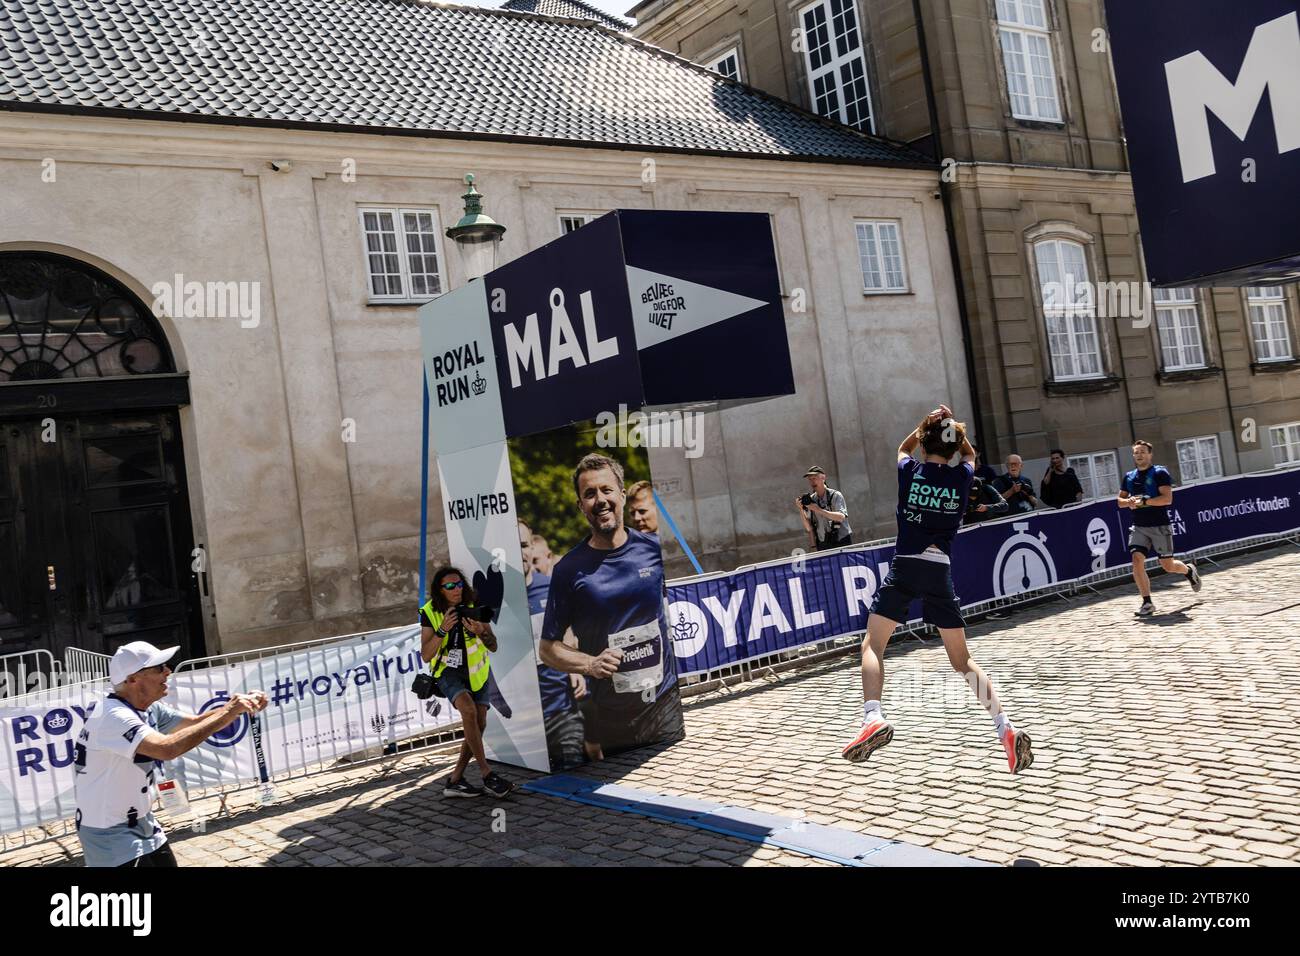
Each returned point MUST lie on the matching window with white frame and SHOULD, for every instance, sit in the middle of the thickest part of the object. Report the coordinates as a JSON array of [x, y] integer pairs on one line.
[[1199, 459], [837, 67], [728, 64], [1286, 444], [880, 253], [1069, 310], [1026, 38], [1098, 474], [1178, 324], [401, 248], [1268, 323], [573, 221]]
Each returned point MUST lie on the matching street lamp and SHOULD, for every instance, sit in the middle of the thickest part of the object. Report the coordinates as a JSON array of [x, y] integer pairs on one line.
[[477, 236]]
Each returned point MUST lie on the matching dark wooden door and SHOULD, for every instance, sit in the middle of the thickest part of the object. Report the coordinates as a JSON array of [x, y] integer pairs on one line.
[[100, 534]]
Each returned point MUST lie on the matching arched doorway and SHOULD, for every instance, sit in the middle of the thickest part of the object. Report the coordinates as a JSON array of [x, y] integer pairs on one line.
[[95, 529]]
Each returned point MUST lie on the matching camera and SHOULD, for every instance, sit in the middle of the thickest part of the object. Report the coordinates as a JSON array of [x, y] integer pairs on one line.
[[807, 499], [481, 614]]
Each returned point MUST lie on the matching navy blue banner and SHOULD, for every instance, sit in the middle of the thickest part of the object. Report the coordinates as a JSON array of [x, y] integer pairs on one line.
[[709, 285], [737, 617], [562, 332], [1210, 93]]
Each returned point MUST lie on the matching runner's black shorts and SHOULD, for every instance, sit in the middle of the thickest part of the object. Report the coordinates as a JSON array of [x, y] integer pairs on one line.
[[919, 579]]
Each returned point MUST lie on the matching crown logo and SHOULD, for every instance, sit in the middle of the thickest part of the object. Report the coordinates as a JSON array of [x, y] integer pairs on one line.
[[479, 385], [685, 630], [57, 722]]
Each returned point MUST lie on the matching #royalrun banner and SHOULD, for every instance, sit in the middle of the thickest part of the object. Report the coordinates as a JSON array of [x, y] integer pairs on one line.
[[326, 702], [727, 619]]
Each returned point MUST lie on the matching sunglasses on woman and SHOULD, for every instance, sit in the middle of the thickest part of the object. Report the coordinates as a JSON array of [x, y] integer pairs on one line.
[[453, 587]]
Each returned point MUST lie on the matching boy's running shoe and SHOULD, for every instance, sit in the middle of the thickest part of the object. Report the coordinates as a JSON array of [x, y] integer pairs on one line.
[[1016, 743], [1194, 577], [875, 734], [1146, 610]]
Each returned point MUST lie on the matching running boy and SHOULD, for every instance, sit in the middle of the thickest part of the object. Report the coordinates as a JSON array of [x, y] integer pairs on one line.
[[931, 502]]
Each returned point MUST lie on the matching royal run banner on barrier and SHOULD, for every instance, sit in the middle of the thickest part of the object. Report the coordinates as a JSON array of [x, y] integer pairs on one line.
[[731, 618], [325, 702]]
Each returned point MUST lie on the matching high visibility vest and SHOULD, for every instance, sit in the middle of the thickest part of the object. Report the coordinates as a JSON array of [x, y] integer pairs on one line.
[[476, 655]]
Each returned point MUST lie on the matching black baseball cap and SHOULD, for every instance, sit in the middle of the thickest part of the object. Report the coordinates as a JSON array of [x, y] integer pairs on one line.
[[814, 470]]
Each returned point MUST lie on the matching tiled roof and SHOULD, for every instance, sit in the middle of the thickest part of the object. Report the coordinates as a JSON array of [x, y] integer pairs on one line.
[[569, 9], [398, 66]]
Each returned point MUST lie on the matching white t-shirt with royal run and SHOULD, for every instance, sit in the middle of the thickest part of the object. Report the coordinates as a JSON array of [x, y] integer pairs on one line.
[[114, 806]]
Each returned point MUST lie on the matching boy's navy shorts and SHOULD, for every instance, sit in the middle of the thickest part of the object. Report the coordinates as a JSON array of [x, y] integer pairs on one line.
[[919, 579]]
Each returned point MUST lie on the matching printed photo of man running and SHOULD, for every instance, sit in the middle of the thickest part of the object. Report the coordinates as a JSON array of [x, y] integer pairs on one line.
[[610, 590], [931, 503]]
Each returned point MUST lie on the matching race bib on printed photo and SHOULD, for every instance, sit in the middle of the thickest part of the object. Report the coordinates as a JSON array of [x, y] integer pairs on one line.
[[643, 658]]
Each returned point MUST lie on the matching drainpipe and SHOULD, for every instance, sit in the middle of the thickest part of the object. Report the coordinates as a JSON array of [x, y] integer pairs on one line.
[[945, 193]]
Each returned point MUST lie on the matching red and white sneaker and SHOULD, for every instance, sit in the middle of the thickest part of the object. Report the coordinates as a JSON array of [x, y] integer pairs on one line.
[[1017, 743], [874, 735]]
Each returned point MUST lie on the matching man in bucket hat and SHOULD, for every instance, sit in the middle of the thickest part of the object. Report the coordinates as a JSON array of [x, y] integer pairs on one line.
[[824, 512], [127, 736]]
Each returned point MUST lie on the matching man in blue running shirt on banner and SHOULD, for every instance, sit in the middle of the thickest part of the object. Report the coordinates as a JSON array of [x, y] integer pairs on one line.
[[931, 503], [610, 591]]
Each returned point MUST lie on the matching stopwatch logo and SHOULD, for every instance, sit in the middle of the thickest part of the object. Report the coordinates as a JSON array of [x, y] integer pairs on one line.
[[1023, 563]]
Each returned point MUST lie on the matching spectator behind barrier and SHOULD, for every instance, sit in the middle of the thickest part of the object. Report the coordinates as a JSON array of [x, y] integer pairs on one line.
[[1061, 485], [824, 513], [984, 471], [984, 503], [1015, 487]]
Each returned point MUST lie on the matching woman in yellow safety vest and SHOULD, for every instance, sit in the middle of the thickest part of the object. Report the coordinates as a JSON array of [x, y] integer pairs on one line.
[[456, 649]]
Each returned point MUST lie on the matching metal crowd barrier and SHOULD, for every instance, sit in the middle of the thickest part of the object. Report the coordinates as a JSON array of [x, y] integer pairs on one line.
[[86, 665], [19, 670], [325, 719]]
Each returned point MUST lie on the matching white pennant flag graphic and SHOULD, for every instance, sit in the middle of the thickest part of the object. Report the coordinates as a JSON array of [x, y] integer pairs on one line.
[[664, 307]]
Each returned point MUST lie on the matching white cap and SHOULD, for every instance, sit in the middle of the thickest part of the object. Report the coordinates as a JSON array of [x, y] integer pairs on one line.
[[136, 656]]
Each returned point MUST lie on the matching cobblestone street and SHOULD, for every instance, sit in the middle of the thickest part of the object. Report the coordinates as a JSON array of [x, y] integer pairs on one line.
[[1168, 741]]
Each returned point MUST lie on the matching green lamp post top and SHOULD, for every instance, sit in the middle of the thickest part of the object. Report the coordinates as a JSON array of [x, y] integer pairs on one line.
[[475, 225]]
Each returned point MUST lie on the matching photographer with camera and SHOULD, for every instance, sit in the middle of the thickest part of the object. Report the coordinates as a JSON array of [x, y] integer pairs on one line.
[[824, 512], [455, 639], [1016, 488]]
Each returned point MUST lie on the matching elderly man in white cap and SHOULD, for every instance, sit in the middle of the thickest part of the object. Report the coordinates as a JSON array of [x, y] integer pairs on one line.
[[125, 737]]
